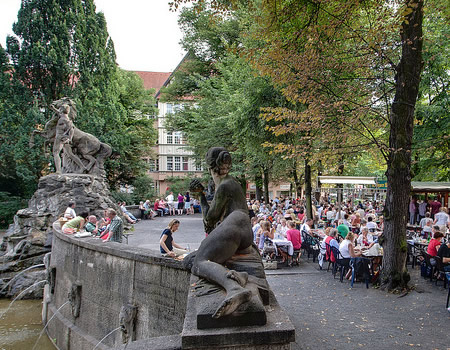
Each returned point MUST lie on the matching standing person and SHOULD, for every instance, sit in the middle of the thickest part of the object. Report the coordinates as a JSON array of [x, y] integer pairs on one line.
[[70, 211], [180, 204], [171, 203], [115, 227], [412, 211], [187, 203], [434, 207], [422, 210], [166, 243], [441, 219]]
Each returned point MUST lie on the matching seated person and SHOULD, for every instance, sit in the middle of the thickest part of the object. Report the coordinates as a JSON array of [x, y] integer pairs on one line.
[[343, 230], [347, 250], [444, 253], [292, 235], [332, 241], [75, 224], [166, 243], [127, 213], [265, 232], [159, 211], [371, 225], [427, 230], [435, 244], [70, 211], [92, 225], [365, 239], [114, 231], [282, 228]]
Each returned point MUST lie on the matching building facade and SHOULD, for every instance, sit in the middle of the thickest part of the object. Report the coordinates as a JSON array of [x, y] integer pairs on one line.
[[171, 156]]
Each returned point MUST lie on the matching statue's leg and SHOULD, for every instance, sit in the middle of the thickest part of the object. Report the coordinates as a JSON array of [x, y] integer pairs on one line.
[[223, 242], [92, 161], [75, 158], [57, 147]]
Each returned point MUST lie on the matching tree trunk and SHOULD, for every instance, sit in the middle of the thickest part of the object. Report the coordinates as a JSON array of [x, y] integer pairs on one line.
[[297, 182], [308, 189], [266, 185], [258, 190], [398, 172]]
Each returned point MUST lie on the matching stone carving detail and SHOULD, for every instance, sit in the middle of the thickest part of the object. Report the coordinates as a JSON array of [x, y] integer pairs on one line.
[[75, 298], [82, 153], [127, 318]]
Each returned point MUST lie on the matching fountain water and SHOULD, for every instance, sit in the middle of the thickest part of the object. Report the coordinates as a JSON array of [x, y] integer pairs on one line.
[[20, 273], [51, 318], [17, 297], [106, 336]]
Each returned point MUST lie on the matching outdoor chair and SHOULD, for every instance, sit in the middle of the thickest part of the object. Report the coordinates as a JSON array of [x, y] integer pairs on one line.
[[311, 246], [296, 257], [413, 254], [329, 256], [439, 269], [341, 263], [447, 277], [360, 266], [429, 265]]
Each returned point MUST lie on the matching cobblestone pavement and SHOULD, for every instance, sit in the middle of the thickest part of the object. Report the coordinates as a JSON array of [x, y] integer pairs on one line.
[[328, 314]]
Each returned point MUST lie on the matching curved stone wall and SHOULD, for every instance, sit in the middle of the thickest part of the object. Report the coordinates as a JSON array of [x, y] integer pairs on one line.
[[95, 281]]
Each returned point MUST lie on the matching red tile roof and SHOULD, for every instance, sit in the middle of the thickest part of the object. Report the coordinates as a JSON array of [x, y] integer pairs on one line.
[[153, 80]]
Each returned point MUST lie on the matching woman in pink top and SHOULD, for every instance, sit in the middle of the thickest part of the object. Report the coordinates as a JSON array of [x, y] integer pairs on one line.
[[294, 236]]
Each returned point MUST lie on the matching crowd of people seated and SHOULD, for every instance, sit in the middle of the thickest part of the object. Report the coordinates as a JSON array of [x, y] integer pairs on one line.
[[285, 219], [109, 228], [182, 204]]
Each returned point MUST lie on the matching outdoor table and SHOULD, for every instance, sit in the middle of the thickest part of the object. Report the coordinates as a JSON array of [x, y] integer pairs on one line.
[[283, 243]]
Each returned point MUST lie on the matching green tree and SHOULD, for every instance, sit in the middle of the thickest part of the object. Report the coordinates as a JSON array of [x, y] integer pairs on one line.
[[62, 48]]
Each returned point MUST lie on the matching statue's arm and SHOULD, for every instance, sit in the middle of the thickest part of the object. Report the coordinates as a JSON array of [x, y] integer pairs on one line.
[[217, 207]]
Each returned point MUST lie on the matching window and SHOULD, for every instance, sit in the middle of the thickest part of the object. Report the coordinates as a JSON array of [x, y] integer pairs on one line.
[[169, 137], [170, 163], [153, 165], [185, 163], [169, 108], [177, 137], [177, 163]]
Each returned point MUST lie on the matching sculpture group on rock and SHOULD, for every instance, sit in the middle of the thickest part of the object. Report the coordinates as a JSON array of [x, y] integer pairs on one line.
[[82, 153]]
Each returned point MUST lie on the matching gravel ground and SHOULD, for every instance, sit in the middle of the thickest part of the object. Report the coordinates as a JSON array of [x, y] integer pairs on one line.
[[328, 314]]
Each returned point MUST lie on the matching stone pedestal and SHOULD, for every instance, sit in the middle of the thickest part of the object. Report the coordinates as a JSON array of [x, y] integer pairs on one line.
[[277, 333], [30, 237]]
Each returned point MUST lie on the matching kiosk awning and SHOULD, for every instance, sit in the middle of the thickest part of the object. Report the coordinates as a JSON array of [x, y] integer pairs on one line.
[[419, 186], [355, 180]]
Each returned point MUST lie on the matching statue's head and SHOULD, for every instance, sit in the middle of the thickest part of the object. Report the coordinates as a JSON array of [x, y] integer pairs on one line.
[[218, 160]]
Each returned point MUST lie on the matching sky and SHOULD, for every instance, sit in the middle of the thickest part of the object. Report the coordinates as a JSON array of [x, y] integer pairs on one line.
[[145, 33]]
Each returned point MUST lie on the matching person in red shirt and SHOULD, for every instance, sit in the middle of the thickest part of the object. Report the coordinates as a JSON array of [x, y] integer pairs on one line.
[[434, 205], [435, 243]]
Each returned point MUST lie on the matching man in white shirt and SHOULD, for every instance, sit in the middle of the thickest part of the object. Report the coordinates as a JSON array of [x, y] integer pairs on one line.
[[307, 226], [70, 211], [441, 219], [372, 226], [171, 203]]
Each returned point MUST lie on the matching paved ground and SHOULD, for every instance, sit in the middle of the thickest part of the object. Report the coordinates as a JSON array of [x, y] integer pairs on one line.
[[328, 314]]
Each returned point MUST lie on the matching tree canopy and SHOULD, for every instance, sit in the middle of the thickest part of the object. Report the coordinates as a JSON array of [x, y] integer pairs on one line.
[[62, 48]]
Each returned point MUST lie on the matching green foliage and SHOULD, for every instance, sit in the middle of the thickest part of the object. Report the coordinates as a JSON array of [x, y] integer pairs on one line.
[[62, 48], [143, 189], [431, 132], [181, 184], [9, 205]]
